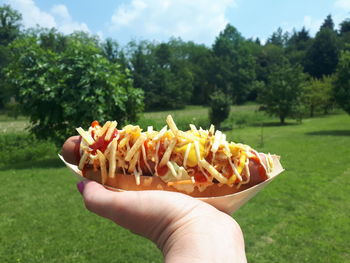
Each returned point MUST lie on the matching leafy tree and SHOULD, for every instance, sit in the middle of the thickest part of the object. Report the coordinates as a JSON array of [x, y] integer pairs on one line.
[[234, 65], [278, 38], [61, 91], [219, 108], [328, 23], [281, 96], [317, 95], [51, 39], [114, 53], [196, 60], [10, 23], [344, 34], [322, 56], [344, 26], [297, 46], [163, 73], [342, 82]]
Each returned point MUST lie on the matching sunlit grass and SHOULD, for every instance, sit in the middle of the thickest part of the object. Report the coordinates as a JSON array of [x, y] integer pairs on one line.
[[303, 216]]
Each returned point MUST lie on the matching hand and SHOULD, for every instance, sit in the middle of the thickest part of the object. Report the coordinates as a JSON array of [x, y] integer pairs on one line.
[[184, 228]]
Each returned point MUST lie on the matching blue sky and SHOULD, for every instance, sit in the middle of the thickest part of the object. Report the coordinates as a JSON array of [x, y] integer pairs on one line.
[[196, 20]]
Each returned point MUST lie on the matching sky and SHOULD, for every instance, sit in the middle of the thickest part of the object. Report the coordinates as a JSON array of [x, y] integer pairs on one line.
[[192, 20]]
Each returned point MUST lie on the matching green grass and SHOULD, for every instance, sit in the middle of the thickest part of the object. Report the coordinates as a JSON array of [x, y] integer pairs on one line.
[[240, 116], [302, 216]]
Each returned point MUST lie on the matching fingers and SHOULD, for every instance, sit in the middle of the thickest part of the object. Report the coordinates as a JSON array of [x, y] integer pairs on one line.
[[147, 213]]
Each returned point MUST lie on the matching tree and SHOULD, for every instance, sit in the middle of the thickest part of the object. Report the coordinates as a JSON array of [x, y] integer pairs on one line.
[[328, 23], [10, 23], [219, 109], [322, 56], [234, 65], [163, 73], [317, 95], [282, 94], [297, 46], [344, 34], [344, 26], [61, 91], [342, 82], [278, 38]]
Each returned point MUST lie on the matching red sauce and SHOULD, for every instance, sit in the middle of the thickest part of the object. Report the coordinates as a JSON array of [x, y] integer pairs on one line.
[[199, 177], [94, 124], [161, 150], [101, 144], [161, 171]]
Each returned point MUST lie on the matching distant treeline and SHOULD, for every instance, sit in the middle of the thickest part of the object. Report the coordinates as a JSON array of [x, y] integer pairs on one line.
[[292, 74]]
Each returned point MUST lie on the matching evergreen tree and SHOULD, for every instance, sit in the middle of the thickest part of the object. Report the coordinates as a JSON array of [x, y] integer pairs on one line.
[[322, 56]]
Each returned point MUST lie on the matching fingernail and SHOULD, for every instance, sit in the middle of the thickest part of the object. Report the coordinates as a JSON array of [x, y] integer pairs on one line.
[[80, 187]]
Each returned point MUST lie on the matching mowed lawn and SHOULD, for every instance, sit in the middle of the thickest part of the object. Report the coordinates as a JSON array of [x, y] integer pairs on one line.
[[302, 216]]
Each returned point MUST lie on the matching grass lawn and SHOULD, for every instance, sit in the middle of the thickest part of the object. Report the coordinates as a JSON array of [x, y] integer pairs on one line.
[[303, 216]]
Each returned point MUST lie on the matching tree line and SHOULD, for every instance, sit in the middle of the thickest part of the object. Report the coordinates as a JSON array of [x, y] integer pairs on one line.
[[61, 80]]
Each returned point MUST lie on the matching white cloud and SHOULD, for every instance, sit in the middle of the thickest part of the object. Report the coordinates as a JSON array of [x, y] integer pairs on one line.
[[343, 4], [312, 24], [199, 20], [57, 17]]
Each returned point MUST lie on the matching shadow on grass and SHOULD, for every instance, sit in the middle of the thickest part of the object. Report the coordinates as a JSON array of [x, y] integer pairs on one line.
[[45, 163], [330, 133], [273, 124]]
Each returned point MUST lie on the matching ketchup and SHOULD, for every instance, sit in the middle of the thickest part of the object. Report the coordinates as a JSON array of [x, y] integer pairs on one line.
[[161, 171], [101, 144], [199, 177], [94, 124]]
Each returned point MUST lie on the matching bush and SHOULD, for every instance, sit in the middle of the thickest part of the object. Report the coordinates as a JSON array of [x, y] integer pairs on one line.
[[19, 148], [60, 91], [219, 108]]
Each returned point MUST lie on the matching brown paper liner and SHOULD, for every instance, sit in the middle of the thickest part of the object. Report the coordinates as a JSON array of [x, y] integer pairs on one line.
[[226, 203]]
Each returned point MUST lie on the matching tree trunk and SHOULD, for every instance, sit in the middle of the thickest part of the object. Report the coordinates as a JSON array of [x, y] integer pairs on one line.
[[312, 109], [282, 119]]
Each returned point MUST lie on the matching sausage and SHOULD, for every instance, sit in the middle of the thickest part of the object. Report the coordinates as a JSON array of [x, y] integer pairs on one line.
[[70, 152]]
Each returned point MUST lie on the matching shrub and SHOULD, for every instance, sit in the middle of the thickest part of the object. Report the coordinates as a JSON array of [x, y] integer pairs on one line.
[[219, 108]]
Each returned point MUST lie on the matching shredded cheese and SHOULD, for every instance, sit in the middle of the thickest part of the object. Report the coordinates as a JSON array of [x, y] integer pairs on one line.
[[112, 158], [103, 129], [110, 131], [187, 153], [217, 141], [83, 160], [172, 169], [143, 150], [218, 176], [169, 150], [133, 162], [172, 125], [102, 160], [135, 147], [190, 148], [86, 136]]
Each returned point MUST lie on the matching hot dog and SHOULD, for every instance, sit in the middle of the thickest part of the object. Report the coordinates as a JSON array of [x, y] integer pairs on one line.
[[197, 162]]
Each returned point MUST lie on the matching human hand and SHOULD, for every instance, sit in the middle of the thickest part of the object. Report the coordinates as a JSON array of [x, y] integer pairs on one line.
[[184, 228]]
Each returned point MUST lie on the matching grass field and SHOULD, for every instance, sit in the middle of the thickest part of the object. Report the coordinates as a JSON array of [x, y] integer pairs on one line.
[[303, 216]]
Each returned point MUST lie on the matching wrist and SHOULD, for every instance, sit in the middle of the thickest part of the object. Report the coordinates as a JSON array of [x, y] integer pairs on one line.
[[212, 237]]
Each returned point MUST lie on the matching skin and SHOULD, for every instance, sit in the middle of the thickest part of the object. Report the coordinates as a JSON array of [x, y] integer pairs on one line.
[[184, 228]]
